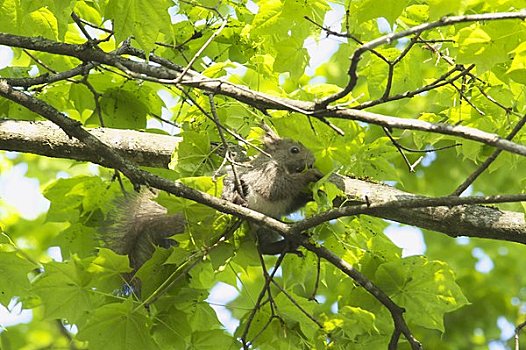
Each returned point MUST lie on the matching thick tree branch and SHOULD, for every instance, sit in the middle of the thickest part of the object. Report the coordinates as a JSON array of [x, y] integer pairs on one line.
[[461, 220], [165, 75], [105, 154], [455, 220], [73, 129], [94, 146], [122, 150], [47, 139]]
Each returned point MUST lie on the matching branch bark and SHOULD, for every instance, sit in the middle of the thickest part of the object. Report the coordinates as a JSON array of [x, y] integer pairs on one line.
[[173, 75], [461, 220], [154, 150], [47, 139]]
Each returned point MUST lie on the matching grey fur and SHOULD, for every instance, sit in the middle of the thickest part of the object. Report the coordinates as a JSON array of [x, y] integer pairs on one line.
[[273, 184]]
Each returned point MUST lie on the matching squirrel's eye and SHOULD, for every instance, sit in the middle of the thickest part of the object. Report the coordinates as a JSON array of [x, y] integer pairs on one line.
[[294, 150]]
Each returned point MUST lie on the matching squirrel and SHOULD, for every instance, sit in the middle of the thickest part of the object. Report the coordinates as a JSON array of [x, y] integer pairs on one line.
[[273, 183]]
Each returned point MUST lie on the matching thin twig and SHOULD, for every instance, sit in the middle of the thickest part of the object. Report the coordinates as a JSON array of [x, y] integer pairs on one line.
[[518, 330], [463, 96], [439, 82], [195, 35], [39, 62], [395, 310], [317, 281], [268, 279], [389, 38], [474, 175], [96, 98], [392, 65], [80, 25], [188, 265], [47, 78], [399, 149], [309, 316], [200, 51], [227, 130], [83, 21], [348, 36], [228, 157], [402, 148]]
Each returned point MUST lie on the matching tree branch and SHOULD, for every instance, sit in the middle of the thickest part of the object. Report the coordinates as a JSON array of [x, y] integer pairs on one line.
[[474, 175], [139, 147], [50, 78], [105, 154], [147, 71], [395, 310], [389, 38], [94, 146], [47, 139], [457, 219]]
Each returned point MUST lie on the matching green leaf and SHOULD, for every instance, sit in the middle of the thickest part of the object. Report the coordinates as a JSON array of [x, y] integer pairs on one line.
[[439, 8], [517, 70], [486, 45], [472, 42], [64, 207], [14, 271], [291, 57], [172, 337], [77, 239], [10, 15], [154, 272], [75, 196], [107, 261], [212, 340], [118, 326], [351, 321], [121, 109], [268, 14], [108, 270], [80, 96], [369, 9], [65, 291], [426, 289], [141, 19], [192, 156], [220, 255], [43, 22]]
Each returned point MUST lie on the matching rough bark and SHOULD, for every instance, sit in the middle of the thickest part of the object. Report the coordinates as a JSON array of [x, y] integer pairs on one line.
[[44, 138], [463, 220], [172, 74], [47, 139]]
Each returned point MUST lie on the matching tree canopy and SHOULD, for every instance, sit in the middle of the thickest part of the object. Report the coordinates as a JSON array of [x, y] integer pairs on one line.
[[413, 109]]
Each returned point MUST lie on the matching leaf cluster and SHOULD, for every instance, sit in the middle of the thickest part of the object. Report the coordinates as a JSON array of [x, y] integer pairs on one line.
[[469, 73]]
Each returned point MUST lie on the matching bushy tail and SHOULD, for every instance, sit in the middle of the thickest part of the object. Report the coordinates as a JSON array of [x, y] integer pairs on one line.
[[137, 224]]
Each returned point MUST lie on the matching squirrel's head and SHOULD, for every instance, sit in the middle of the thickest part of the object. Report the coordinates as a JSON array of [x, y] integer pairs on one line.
[[290, 154]]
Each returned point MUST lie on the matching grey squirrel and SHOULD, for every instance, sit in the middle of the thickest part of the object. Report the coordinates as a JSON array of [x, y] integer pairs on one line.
[[273, 183]]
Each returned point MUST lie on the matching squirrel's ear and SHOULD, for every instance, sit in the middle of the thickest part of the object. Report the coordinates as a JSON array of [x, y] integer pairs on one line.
[[270, 138]]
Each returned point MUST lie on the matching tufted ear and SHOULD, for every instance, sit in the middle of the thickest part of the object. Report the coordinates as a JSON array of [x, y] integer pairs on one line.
[[270, 139]]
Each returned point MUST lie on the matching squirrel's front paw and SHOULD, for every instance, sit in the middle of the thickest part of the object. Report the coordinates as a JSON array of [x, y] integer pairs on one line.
[[313, 174], [239, 200]]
